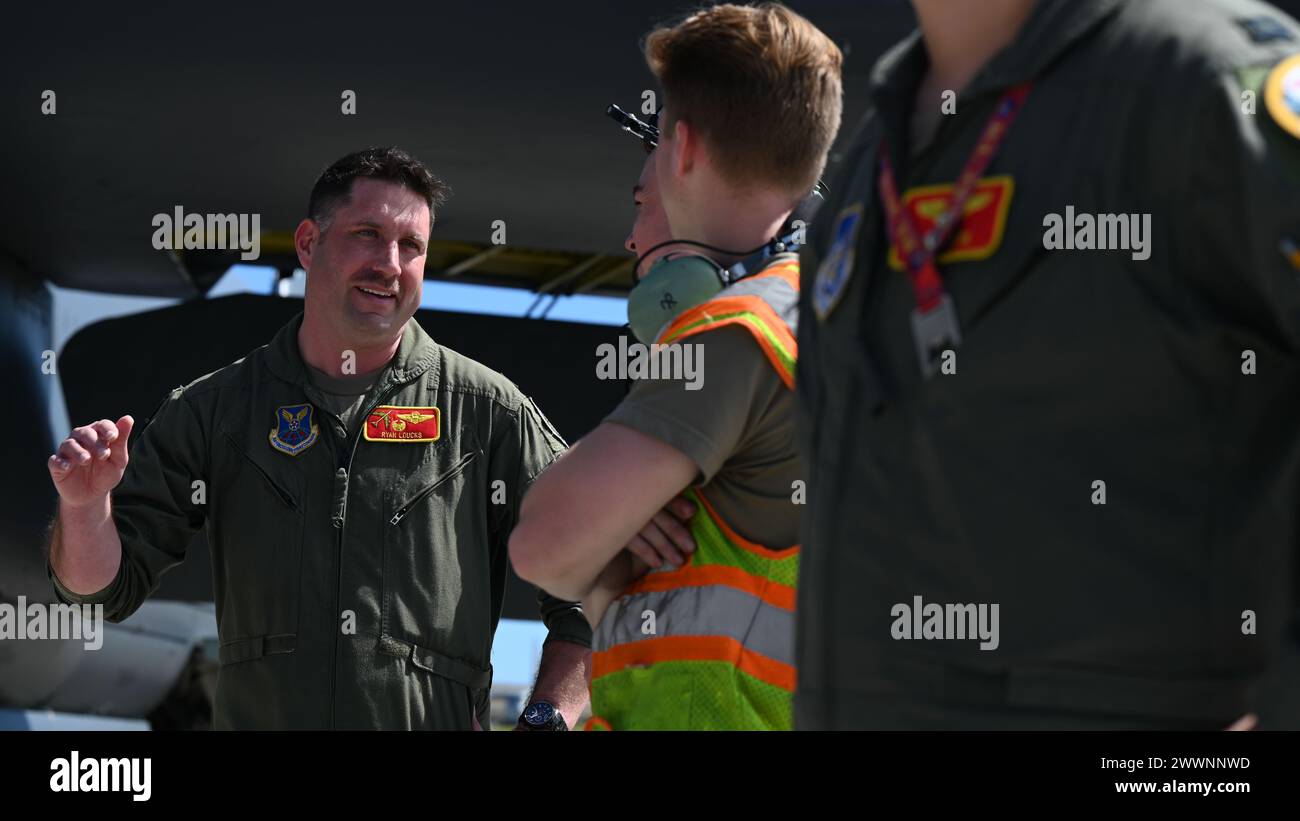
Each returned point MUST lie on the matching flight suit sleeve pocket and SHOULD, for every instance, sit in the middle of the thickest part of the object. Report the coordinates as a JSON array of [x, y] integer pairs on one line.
[[257, 525], [281, 492], [250, 649]]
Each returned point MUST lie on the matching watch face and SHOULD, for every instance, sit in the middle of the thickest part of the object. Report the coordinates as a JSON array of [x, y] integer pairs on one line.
[[539, 714]]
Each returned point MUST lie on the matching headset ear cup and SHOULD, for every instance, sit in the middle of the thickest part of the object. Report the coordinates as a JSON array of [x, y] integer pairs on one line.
[[671, 286]]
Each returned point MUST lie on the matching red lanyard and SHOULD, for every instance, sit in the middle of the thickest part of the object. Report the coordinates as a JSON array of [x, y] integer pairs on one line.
[[918, 252]]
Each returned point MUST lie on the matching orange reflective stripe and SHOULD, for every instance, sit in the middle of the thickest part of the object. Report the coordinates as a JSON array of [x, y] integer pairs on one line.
[[733, 305], [596, 723], [725, 305], [774, 593], [789, 271], [694, 648], [740, 541]]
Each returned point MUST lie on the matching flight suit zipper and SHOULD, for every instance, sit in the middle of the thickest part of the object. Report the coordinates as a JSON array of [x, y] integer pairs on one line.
[[423, 494], [339, 520]]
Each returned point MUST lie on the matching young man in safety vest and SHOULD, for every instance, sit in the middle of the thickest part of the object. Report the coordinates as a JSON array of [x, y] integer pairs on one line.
[[752, 104]]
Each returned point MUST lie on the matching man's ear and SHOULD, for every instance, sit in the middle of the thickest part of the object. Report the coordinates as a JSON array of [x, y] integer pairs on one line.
[[304, 241], [686, 147]]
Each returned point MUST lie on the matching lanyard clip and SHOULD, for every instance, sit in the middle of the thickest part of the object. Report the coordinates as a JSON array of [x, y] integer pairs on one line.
[[934, 332]]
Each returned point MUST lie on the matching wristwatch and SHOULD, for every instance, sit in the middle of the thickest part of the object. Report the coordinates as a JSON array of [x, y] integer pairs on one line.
[[542, 716]]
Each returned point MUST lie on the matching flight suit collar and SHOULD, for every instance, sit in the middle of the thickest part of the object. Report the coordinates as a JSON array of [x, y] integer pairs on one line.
[[898, 72], [416, 354], [1053, 26]]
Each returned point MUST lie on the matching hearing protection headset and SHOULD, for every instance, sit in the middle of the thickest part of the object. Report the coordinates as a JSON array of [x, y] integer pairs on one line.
[[679, 282]]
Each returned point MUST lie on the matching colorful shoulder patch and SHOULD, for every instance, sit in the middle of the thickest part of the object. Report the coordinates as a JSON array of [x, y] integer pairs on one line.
[[395, 423], [295, 429], [834, 271], [1282, 95]]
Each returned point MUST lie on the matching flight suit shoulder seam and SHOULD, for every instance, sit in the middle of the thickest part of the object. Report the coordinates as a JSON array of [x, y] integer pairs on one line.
[[193, 391], [1219, 57], [232, 376], [187, 401], [494, 394]]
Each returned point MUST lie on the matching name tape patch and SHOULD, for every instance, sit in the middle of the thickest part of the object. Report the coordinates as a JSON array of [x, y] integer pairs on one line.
[[397, 423]]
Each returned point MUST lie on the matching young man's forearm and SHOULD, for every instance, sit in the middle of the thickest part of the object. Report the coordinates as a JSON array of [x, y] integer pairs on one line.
[[621, 571], [585, 508], [85, 550]]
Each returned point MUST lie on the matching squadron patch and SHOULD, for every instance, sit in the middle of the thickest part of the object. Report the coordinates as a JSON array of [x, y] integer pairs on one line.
[[1282, 95], [1264, 29], [393, 423], [984, 219], [834, 271], [295, 429]]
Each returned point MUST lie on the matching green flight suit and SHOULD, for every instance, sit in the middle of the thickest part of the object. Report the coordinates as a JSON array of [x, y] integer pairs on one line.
[[358, 583], [1126, 367]]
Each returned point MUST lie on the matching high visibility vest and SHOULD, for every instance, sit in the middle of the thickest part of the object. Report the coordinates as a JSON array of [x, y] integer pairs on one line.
[[710, 646]]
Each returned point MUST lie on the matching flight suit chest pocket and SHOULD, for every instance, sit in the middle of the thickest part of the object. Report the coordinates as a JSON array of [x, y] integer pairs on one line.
[[436, 573], [256, 536], [981, 286]]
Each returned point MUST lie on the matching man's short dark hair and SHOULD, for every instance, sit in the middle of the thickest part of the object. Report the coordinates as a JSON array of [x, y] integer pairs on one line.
[[334, 186]]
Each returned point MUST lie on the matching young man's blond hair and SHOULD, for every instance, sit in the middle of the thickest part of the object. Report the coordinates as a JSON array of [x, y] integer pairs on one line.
[[759, 83]]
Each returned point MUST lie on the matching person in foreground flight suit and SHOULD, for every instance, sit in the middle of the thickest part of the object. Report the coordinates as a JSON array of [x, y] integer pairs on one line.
[[1050, 350]]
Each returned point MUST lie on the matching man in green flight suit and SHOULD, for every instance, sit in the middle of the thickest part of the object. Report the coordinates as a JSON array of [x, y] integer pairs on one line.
[[360, 483], [1050, 357]]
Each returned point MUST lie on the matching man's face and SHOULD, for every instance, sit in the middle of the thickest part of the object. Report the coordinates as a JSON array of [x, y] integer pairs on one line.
[[651, 224], [365, 271]]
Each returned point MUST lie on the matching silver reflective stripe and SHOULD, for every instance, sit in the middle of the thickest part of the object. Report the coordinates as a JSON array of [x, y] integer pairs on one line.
[[776, 292], [712, 610]]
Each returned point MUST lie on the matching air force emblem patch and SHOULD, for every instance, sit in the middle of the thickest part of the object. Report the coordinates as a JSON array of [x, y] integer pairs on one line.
[[834, 272], [295, 429]]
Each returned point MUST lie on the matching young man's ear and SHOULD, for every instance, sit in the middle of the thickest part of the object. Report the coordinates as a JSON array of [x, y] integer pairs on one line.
[[686, 147]]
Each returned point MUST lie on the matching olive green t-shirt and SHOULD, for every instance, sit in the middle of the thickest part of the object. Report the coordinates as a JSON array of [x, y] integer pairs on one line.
[[344, 394], [738, 428]]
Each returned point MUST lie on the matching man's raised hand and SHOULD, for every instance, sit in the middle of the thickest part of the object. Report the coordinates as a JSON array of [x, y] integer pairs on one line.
[[91, 461]]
